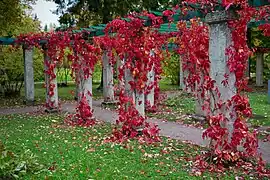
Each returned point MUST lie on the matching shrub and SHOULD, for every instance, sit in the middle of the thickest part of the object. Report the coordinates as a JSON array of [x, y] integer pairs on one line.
[[171, 68], [15, 166], [12, 70]]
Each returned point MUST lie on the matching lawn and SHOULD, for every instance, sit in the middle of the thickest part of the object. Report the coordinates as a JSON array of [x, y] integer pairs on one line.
[[64, 93], [79, 153], [174, 109]]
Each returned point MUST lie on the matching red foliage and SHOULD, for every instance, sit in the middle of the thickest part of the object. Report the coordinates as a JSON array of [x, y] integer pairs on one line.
[[133, 44], [83, 116], [193, 43], [83, 57]]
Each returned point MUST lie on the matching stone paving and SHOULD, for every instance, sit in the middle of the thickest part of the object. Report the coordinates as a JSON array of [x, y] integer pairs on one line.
[[168, 129]]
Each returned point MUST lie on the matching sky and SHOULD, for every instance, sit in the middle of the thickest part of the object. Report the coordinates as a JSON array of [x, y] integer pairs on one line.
[[43, 10]]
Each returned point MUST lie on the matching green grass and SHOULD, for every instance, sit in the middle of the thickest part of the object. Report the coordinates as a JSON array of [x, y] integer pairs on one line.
[[64, 93], [261, 107], [173, 108], [79, 153], [165, 85]]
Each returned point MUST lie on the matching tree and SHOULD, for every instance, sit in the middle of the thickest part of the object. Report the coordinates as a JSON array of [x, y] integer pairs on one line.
[[11, 13], [46, 28], [92, 12], [11, 60]]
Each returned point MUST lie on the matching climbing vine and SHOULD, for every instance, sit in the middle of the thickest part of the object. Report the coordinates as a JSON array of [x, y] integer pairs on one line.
[[84, 55], [133, 43], [139, 48], [193, 47]]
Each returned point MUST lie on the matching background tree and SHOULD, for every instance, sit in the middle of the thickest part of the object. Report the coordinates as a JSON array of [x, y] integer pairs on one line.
[[16, 19], [46, 28]]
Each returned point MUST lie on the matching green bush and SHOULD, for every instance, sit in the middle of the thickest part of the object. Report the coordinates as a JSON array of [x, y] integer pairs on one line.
[[171, 68], [266, 66], [97, 72], [12, 69], [13, 166]]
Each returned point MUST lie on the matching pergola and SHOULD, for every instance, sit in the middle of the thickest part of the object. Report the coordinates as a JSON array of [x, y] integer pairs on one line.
[[217, 39]]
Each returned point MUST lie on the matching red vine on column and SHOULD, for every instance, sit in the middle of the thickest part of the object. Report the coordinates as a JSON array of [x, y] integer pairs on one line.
[[224, 152], [84, 54], [133, 42]]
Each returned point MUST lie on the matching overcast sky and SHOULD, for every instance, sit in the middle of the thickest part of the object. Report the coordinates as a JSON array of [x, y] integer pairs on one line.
[[43, 10]]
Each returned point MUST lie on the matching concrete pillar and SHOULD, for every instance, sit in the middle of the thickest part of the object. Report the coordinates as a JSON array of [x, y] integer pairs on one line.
[[259, 69], [137, 97], [29, 85], [51, 83], [84, 84], [150, 97], [220, 39], [108, 85], [119, 63], [86, 90], [139, 101], [77, 91], [128, 91], [247, 72], [77, 79], [181, 75]]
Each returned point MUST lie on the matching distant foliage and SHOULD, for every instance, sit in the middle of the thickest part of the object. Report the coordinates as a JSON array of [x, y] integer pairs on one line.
[[171, 68], [11, 60]]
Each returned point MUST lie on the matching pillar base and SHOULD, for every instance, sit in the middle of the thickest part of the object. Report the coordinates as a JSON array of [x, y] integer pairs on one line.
[[109, 102], [51, 110], [29, 103], [140, 130]]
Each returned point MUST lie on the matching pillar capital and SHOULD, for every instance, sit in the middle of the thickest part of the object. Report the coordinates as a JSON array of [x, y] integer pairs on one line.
[[217, 17]]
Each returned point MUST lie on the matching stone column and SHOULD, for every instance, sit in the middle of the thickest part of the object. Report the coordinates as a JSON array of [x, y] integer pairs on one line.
[[181, 75], [150, 97], [136, 96], [220, 39], [108, 85], [84, 82], [139, 101], [247, 72], [128, 91], [77, 78], [119, 63], [77, 91], [259, 69], [51, 83], [85, 88], [28, 76]]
